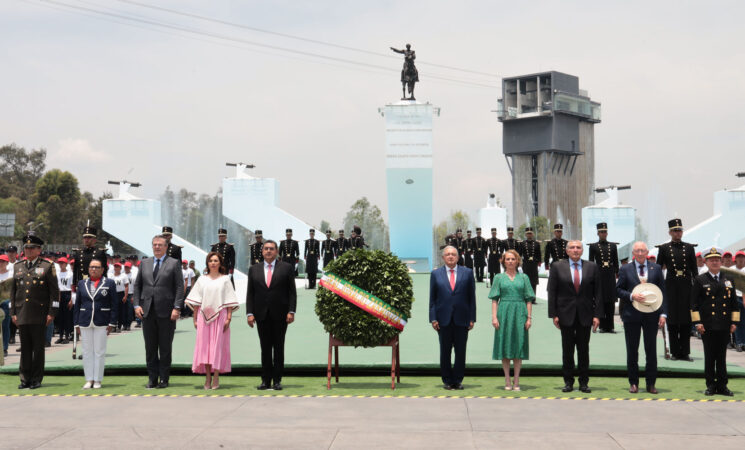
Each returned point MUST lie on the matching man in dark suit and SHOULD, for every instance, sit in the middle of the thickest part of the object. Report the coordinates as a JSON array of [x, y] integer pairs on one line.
[[635, 321], [271, 300], [158, 299], [575, 303], [452, 312]]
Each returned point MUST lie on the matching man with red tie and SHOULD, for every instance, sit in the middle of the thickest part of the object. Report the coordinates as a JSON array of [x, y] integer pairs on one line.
[[452, 312]]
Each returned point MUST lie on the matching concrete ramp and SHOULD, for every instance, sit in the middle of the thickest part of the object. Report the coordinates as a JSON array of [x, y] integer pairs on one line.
[[726, 227]]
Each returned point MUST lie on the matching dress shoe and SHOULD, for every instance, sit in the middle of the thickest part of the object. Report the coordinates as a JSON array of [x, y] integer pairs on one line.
[[162, 385], [58, 341], [151, 384], [585, 389], [725, 391], [458, 387], [277, 386], [567, 388], [634, 389], [34, 385], [263, 386], [96, 385], [18, 349], [740, 347], [5, 353], [88, 385], [48, 344], [652, 390], [12, 340], [24, 385], [447, 387], [710, 391], [686, 358]]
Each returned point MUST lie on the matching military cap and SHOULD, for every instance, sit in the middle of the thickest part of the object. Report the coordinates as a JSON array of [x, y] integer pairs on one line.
[[12, 249], [478, 228], [468, 231], [494, 229], [257, 233], [558, 226], [528, 229], [167, 230], [328, 231], [357, 229], [31, 240], [222, 232], [712, 252], [458, 230], [341, 231], [510, 229], [602, 226], [90, 231], [675, 224], [312, 230], [289, 230]]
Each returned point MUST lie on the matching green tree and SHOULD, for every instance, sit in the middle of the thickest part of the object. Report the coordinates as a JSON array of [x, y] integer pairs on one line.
[[540, 229], [59, 207], [457, 219], [325, 225], [20, 169], [370, 219]]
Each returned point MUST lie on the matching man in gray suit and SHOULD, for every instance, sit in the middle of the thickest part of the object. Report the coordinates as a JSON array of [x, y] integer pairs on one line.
[[158, 298]]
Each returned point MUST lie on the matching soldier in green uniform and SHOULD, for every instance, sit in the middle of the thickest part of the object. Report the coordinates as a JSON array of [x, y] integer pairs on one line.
[[468, 250], [342, 244], [328, 249], [256, 256], [494, 247], [479, 255], [530, 249], [289, 250], [226, 250], [605, 255], [174, 251], [716, 314], [311, 253], [34, 299], [679, 258], [556, 248], [83, 256]]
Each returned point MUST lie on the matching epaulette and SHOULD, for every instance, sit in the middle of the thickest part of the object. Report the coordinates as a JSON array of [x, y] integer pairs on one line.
[[179, 246], [212, 245]]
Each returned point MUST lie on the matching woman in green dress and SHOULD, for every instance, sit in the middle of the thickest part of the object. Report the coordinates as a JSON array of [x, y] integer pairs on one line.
[[511, 311]]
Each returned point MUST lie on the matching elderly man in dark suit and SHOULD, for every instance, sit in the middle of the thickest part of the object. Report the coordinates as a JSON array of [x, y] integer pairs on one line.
[[452, 312], [271, 300], [635, 321], [575, 304], [158, 299]]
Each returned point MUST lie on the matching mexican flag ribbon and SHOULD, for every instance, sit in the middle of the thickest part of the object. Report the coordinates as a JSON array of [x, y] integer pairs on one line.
[[364, 300]]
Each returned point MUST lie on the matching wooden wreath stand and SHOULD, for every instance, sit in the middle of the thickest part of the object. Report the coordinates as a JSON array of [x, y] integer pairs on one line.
[[334, 345]]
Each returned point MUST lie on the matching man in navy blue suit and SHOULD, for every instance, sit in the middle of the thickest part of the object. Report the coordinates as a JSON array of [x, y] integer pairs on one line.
[[635, 321], [452, 312]]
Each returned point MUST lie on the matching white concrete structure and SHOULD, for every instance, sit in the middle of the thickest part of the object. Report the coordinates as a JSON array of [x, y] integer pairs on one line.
[[621, 220], [726, 227], [493, 216]]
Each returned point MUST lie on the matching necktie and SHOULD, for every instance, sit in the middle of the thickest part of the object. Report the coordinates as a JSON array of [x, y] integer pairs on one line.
[[157, 268], [269, 275], [576, 277], [452, 279], [716, 278], [641, 270]]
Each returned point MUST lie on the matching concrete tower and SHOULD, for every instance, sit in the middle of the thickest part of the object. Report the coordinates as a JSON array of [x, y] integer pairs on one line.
[[549, 143]]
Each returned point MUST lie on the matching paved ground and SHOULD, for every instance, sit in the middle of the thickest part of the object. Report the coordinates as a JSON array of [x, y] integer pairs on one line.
[[336, 423]]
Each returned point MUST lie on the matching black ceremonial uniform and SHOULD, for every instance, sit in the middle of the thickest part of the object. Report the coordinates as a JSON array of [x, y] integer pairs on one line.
[[311, 253], [556, 250], [679, 258], [479, 257], [227, 251], [494, 247], [510, 244], [468, 250], [342, 245], [605, 255], [356, 242], [328, 251], [460, 245], [289, 252], [714, 305], [83, 258], [174, 251], [531, 254]]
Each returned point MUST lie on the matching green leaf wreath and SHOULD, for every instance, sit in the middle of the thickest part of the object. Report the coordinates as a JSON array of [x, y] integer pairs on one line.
[[380, 274]]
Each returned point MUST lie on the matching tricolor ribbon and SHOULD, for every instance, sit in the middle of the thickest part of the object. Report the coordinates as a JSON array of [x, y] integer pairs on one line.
[[364, 300]]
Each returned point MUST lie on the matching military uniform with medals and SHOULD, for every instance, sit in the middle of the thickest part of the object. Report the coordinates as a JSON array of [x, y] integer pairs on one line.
[[311, 254], [605, 255], [227, 251], [256, 255], [173, 250], [357, 241], [530, 250], [679, 258], [83, 257], [479, 255], [328, 249], [468, 250], [494, 248], [289, 250], [556, 248]]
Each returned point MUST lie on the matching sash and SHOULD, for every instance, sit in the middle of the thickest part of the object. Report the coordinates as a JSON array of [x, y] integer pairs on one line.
[[364, 300]]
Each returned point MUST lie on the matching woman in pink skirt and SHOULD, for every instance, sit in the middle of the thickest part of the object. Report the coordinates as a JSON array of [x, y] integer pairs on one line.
[[213, 300]]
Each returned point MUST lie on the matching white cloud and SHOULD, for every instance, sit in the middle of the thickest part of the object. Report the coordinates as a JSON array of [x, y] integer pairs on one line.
[[77, 150]]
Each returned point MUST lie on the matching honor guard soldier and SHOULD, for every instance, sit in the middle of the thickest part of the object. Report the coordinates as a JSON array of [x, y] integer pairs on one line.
[[494, 246], [82, 257], [556, 248], [289, 250], [510, 243], [357, 241], [311, 254], [256, 255], [479, 255], [342, 244], [328, 249], [605, 255], [716, 314], [530, 249], [468, 250], [460, 245], [226, 250], [34, 299], [679, 258], [174, 251], [449, 240]]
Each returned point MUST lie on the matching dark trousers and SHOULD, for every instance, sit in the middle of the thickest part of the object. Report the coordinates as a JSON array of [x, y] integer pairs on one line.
[[272, 341], [469, 260], [452, 337], [122, 316], [33, 338], [185, 310], [715, 357], [680, 339], [480, 273], [575, 336], [633, 332], [64, 314], [13, 328], [5, 305], [158, 333]]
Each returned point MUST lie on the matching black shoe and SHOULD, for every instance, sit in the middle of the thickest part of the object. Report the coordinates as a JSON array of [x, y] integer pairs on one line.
[[139, 325], [686, 358], [277, 386], [458, 387], [567, 388], [740, 348], [151, 384], [710, 391], [12, 340], [24, 385], [59, 341], [263, 386], [5, 353], [586, 389], [18, 349], [34, 385], [448, 387], [48, 344], [725, 391], [162, 385]]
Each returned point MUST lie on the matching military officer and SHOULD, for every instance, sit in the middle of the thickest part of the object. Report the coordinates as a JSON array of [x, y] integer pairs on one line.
[[174, 251], [328, 249], [289, 250], [556, 248], [716, 314], [256, 256], [510, 243], [34, 299], [494, 247], [227, 251], [357, 241], [605, 255], [449, 240], [530, 249], [460, 245], [84, 256], [342, 244], [679, 258], [479, 254], [311, 253], [468, 250]]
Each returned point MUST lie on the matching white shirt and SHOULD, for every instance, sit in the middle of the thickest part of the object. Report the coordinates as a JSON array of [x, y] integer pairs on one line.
[[737, 291], [266, 268], [64, 280], [121, 281], [454, 271], [188, 276], [579, 268]]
